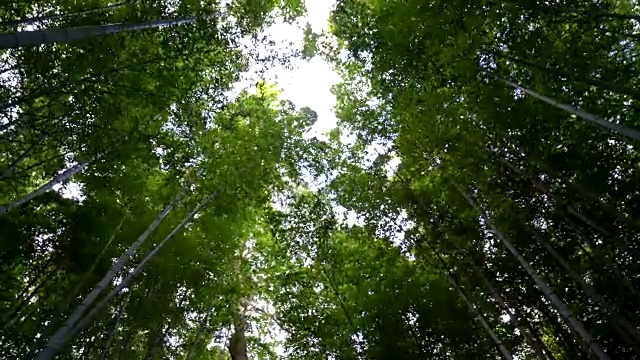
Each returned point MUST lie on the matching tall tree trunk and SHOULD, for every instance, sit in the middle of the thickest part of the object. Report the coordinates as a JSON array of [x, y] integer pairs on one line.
[[577, 188], [571, 347], [503, 350], [95, 263], [524, 319], [42, 274], [158, 339], [535, 343], [114, 327], [535, 334], [123, 345], [607, 85], [201, 328], [63, 176], [49, 328], [68, 331], [530, 335], [62, 35], [130, 332], [576, 325], [8, 172], [504, 353], [615, 318], [565, 210], [25, 301], [35, 20], [607, 258], [571, 210], [151, 354], [543, 189], [57, 340], [627, 132], [238, 340]]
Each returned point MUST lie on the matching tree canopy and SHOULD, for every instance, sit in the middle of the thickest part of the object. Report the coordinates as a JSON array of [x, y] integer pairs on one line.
[[477, 199]]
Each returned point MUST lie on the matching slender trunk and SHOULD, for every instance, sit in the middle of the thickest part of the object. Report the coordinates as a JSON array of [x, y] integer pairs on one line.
[[529, 334], [202, 326], [114, 328], [8, 172], [524, 319], [129, 334], [10, 312], [68, 331], [334, 289], [498, 343], [540, 282], [571, 210], [610, 264], [158, 338], [601, 203], [535, 334], [579, 190], [608, 85], [65, 175], [535, 344], [629, 133], [88, 273], [22, 304], [617, 320], [61, 309], [503, 350], [49, 329], [565, 209], [607, 258], [571, 348], [35, 20], [123, 345], [542, 188], [26, 171], [57, 340], [42, 273], [62, 35], [238, 341]]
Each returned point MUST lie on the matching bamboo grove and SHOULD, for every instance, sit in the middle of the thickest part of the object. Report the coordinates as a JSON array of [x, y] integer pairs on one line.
[[478, 198]]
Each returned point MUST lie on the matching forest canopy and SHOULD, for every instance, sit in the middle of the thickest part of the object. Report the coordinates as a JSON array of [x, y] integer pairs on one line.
[[478, 198]]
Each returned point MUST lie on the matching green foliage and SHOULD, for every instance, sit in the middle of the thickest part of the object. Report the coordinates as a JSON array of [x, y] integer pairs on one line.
[[313, 248], [417, 82]]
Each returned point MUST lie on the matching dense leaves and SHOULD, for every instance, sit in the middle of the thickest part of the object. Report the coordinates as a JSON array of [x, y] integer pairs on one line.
[[477, 200], [490, 172]]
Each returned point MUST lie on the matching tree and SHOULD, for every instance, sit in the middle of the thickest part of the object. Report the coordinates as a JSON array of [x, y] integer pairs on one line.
[[151, 209]]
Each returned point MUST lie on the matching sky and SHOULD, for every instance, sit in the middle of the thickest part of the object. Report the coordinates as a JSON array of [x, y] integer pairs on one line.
[[309, 82]]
